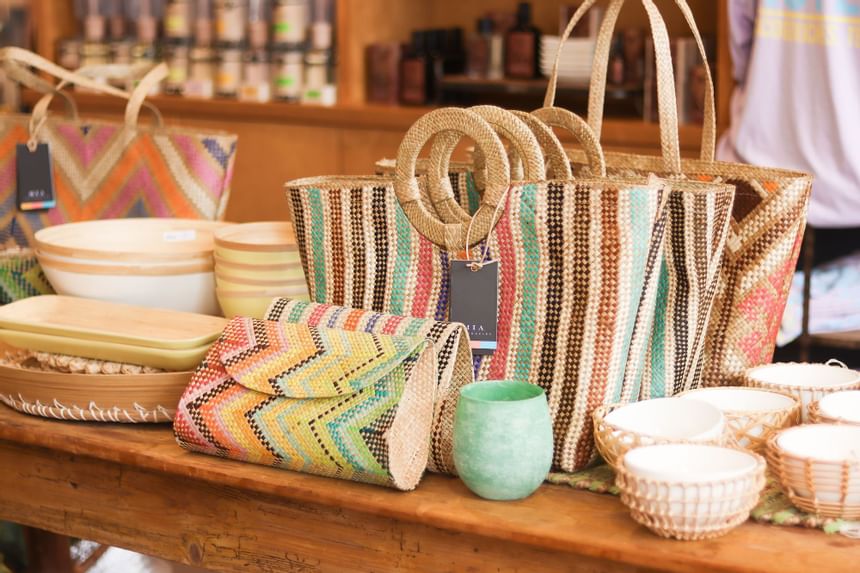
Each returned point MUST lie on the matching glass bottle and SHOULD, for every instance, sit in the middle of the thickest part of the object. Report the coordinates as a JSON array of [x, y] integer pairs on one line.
[[201, 73], [258, 24], [478, 53], [289, 69], [203, 23], [289, 23], [522, 46], [145, 14], [178, 19], [256, 77], [92, 14], [177, 56], [229, 74], [231, 17]]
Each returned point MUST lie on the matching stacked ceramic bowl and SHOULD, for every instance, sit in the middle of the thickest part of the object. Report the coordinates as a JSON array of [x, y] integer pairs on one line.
[[752, 415], [806, 382], [818, 466], [619, 428], [836, 408], [255, 263], [162, 263], [690, 491]]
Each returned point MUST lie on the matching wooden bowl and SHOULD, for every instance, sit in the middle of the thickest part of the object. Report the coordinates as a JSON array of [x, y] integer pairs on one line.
[[138, 240], [269, 243], [254, 303], [288, 272], [230, 283]]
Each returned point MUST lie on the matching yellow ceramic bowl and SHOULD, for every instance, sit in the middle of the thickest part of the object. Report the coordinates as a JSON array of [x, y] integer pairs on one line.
[[270, 243], [247, 285], [253, 304], [271, 273]]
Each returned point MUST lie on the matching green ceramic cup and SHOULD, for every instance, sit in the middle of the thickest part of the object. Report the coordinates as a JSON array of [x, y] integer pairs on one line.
[[502, 439]]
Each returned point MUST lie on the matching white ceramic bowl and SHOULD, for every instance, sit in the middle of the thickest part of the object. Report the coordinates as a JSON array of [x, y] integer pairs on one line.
[[841, 407], [669, 418], [752, 415], [191, 292], [130, 240], [820, 462], [691, 491], [807, 382]]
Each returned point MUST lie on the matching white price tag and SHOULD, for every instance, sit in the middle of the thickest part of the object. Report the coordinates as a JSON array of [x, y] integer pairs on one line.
[[180, 236]]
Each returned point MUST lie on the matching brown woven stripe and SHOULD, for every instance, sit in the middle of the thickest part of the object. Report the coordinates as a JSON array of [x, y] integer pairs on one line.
[[380, 227], [358, 248], [610, 253], [554, 289], [337, 276], [577, 242], [678, 260], [301, 237]]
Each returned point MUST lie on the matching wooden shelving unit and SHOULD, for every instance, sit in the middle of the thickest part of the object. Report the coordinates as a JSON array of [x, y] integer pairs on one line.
[[280, 141]]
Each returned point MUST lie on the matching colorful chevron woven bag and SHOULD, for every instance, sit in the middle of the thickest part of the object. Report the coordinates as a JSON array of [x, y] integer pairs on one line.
[[109, 170], [348, 405], [575, 258], [766, 221], [450, 343]]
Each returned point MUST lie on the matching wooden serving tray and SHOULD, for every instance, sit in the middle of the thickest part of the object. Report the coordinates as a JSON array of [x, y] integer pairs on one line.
[[101, 321], [138, 398]]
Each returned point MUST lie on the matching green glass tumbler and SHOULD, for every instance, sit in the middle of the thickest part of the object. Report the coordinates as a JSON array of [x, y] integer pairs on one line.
[[502, 439]]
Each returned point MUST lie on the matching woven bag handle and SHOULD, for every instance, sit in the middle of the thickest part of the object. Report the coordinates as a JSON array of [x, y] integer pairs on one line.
[[451, 236], [601, 60], [19, 59], [666, 102], [29, 79], [564, 119], [525, 145], [147, 77]]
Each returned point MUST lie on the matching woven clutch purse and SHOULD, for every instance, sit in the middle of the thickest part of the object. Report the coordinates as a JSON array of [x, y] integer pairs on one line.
[[350, 405]]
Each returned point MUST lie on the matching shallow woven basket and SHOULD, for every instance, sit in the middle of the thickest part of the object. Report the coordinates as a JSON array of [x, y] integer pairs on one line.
[[816, 417], [741, 424], [700, 511], [843, 476], [613, 443]]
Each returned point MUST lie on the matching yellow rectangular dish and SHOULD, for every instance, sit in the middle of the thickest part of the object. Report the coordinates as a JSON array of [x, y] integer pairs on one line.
[[109, 322], [181, 359]]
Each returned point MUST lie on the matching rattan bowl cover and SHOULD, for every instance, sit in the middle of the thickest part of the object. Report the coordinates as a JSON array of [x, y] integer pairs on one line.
[[691, 511]]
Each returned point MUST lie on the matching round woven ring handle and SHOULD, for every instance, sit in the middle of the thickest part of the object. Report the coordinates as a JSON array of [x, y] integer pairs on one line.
[[525, 146], [564, 119], [451, 236]]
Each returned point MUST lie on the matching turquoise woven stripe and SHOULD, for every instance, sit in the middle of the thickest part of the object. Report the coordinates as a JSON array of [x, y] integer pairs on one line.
[[658, 335], [298, 309], [415, 326], [472, 194], [317, 224], [529, 285], [402, 261], [641, 225]]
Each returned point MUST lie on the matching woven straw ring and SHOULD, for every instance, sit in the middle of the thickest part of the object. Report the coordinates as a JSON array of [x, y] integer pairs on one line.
[[451, 236], [567, 120], [525, 148]]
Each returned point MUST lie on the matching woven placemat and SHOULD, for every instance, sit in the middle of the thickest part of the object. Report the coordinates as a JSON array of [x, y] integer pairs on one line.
[[773, 508]]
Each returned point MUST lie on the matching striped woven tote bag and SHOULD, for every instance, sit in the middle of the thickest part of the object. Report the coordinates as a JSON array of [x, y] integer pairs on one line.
[[766, 220], [109, 170], [349, 405], [574, 261], [450, 343]]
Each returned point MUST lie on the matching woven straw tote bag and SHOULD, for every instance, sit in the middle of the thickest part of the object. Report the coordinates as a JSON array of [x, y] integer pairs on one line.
[[108, 170], [766, 227], [574, 259]]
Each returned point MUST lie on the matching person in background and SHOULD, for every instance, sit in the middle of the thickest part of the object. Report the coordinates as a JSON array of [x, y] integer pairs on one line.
[[796, 64]]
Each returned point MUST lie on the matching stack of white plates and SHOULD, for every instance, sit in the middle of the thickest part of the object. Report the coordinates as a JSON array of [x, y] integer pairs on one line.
[[576, 57]]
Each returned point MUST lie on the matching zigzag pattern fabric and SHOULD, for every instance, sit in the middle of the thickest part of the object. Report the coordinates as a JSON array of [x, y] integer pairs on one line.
[[21, 276], [348, 405], [103, 170], [575, 263], [450, 343], [763, 242]]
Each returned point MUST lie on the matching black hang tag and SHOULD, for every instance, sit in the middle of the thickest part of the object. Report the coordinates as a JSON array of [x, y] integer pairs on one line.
[[35, 178], [475, 301]]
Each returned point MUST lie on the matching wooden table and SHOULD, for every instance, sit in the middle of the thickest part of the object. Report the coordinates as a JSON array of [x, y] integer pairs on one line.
[[135, 488]]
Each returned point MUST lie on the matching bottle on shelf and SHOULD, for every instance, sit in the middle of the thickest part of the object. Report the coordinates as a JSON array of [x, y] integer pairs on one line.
[[92, 14], [258, 24], [177, 56], [256, 83], [616, 72], [178, 19], [415, 71], [522, 46], [229, 73], [115, 20], [201, 73], [496, 64], [478, 52], [290, 23], [383, 72], [146, 14], [203, 23], [453, 51], [288, 74], [230, 22]]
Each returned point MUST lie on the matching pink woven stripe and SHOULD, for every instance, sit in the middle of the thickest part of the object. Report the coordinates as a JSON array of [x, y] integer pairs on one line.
[[507, 295], [196, 158], [421, 301], [392, 324], [86, 148]]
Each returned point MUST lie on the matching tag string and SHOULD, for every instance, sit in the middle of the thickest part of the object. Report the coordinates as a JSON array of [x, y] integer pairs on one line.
[[475, 266], [33, 141]]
